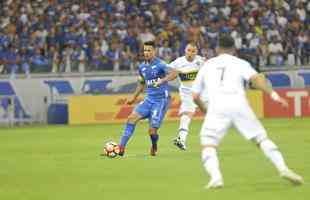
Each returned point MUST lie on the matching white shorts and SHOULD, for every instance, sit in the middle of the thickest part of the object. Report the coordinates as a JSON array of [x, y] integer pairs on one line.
[[187, 103], [220, 117]]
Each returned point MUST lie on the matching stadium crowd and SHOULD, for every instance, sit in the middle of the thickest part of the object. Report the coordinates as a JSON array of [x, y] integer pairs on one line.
[[92, 35]]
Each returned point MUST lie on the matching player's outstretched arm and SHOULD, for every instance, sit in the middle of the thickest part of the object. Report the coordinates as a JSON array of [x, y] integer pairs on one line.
[[172, 74], [259, 82], [138, 91]]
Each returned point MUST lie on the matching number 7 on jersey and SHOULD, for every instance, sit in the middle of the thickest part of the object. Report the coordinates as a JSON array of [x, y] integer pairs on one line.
[[222, 69]]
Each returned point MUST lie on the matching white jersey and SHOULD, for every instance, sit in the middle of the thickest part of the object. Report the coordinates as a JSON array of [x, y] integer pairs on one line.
[[187, 74], [187, 71], [223, 78], [223, 75]]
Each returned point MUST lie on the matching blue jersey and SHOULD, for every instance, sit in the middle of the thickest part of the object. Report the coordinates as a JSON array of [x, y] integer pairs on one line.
[[151, 72]]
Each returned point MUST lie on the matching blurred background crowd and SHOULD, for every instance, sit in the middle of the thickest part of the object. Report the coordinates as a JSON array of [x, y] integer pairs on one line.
[[43, 36]]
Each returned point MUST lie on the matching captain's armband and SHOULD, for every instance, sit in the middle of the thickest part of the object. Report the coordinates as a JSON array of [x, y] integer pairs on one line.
[[141, 80]]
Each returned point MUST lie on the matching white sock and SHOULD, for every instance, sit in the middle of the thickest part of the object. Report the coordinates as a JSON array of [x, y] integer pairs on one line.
[[272, 152], [211, 163], [185, 120]]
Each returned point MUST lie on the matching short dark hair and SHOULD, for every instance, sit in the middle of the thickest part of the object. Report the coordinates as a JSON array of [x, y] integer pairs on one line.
[[193, 44], [149, 43], [226, 42]]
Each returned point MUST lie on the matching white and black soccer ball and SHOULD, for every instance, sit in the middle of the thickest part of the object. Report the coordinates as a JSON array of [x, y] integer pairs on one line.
[[111, 149]]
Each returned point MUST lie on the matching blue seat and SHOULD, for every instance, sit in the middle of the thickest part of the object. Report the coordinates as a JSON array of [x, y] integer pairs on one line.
[[306, 77], [7, 89], [279, 80], [63, 87], [96, 86], [128, 88]]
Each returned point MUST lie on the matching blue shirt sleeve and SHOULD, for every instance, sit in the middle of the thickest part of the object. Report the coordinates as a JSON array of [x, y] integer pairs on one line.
[[165, 67]]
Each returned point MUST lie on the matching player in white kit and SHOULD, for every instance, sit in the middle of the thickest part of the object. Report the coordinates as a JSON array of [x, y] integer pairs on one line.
[[223, 78], [187, 67]]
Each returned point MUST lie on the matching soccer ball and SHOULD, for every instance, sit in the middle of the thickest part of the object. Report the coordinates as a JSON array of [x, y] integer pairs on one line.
[[111, 149]]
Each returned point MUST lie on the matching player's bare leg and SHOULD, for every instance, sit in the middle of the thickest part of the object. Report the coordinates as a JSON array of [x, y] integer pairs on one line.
[[154, 138]]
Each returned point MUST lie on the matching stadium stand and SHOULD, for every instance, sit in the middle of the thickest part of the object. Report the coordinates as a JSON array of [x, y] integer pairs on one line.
[[44, 36]]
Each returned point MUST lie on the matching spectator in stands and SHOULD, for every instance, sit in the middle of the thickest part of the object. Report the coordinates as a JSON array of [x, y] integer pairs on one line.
[[275, 52], [146, 34], [302, 40], [263, 51], [55, 58], [11, 60], [50, 24], [24, 56], [96, 61], [39, 62], [113, 55], [67, 58], [165, 52], [307, 51], [126, 58], [131, 41], [77, 56], [290, 49], [2, 59]]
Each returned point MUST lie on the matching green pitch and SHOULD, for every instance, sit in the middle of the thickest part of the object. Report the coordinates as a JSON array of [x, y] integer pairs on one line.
[[63, 163]]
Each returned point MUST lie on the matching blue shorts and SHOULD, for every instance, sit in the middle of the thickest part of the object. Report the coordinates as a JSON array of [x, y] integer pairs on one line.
[[154, 110]]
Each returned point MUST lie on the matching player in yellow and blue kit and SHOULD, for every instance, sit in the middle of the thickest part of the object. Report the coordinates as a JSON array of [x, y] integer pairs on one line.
[[153, 77]]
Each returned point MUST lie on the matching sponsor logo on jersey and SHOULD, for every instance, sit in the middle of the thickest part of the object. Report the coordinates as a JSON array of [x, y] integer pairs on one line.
[[151, 81], [188, 76]]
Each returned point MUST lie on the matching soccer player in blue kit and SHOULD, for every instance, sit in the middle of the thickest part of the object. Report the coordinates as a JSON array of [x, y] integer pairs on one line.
[[153, 77]]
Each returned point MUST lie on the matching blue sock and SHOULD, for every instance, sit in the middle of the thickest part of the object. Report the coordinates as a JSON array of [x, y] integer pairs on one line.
[[154, 138], [129, 129]]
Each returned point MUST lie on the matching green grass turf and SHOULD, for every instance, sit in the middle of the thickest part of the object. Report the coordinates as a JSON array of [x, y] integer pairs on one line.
[[63, 163]]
